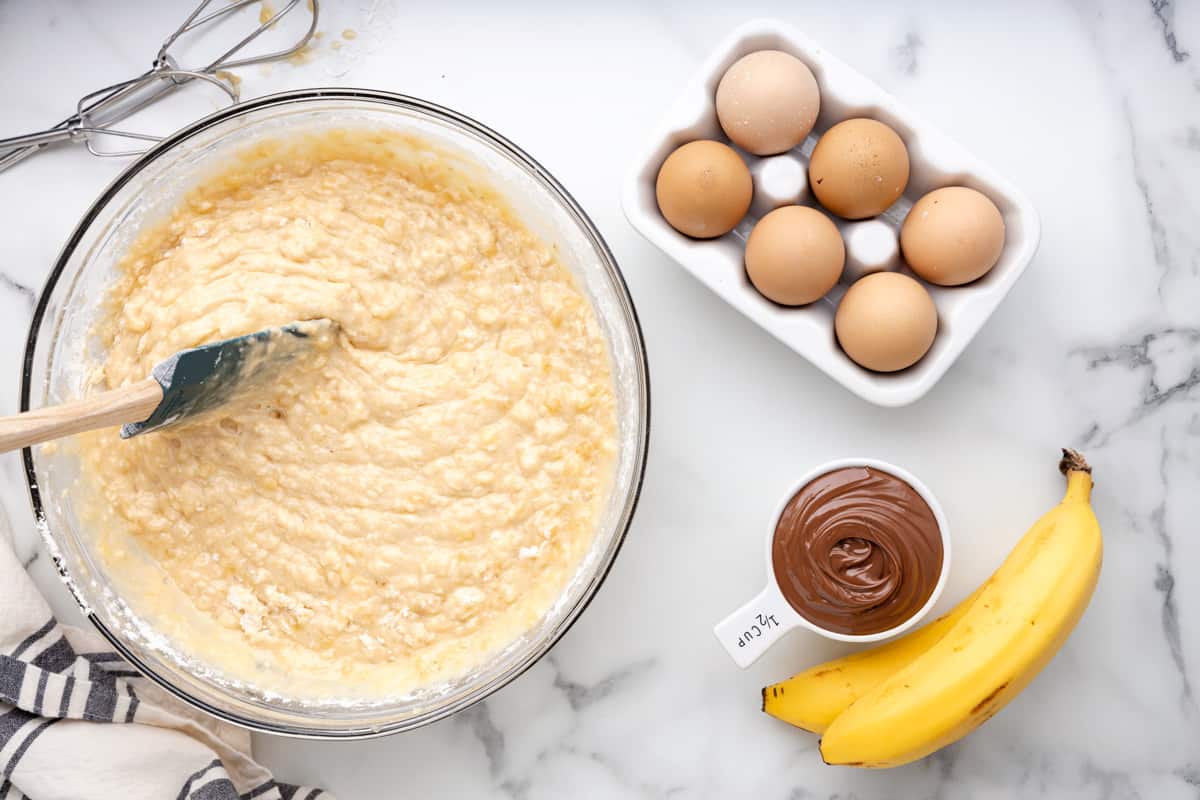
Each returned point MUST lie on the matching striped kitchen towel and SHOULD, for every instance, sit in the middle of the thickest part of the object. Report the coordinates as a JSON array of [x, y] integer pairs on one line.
[[76, 723]]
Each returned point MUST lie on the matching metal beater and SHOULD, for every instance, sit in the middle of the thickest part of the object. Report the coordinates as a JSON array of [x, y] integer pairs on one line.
[[97, 112]]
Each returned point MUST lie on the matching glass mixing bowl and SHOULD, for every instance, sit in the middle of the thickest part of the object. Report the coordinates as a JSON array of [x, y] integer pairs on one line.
[[60, 348]]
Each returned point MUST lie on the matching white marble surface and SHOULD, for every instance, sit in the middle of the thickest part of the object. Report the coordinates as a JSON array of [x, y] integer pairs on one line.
[[1093, 109]]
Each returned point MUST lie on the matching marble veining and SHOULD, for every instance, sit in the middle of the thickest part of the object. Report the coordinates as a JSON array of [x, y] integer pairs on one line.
[[479, 719], [1158, 233], [1168, 363], [581, 695], [1165, 580], [27, 293], [1165, 13], [906, 55], [1091, 108]]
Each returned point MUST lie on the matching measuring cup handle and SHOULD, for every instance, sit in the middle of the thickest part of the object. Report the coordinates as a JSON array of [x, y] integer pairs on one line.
[[748, 632]]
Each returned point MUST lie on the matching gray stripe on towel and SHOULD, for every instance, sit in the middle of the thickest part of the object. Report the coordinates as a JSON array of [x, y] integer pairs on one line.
[[68, 690], [41, 691], [101, 702], [97, 673], [262, 789], [11, 722], [133, 703], [219, 789], [195, 776], [12, 675], [58, 657], [35, 733], [33, 637]]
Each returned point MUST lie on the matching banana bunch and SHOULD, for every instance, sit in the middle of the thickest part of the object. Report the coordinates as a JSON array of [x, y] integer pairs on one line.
[[899, 702]]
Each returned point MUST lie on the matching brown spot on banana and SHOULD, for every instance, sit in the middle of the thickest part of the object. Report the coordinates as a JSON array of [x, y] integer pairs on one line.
[[990, 697]]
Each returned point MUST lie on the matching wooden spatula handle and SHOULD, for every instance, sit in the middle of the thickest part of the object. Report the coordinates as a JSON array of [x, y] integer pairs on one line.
[[132, 403]]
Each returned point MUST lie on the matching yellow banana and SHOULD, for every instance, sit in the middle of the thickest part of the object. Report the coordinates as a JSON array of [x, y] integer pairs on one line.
[[1022, 616], [813, 698]]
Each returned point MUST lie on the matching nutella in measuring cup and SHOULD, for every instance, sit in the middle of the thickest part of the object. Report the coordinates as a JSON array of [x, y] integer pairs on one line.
[[858, 551]]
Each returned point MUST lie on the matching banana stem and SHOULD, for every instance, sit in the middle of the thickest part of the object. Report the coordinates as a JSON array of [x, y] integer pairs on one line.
[[1079, 475], [1073, 461]]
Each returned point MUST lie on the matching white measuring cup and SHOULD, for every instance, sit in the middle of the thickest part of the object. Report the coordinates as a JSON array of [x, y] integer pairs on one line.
[[751, 630]]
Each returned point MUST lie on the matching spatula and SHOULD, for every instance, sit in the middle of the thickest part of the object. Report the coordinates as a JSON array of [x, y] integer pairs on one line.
[[189, 383]]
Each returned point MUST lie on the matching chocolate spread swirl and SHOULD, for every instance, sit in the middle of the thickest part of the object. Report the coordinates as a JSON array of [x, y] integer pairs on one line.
[[857, 551]]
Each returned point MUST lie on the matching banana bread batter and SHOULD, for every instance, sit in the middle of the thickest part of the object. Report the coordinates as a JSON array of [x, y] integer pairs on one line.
[[413, 498]]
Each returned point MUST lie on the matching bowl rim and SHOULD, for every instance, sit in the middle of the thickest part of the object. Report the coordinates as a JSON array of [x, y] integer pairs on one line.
[[640, 362]]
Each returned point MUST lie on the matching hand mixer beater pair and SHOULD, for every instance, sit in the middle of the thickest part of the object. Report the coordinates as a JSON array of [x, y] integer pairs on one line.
[[98, 112]]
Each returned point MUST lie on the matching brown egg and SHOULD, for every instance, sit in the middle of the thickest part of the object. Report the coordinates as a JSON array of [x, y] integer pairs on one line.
[[767, 102], [794, 255], [858, 168], [952, 236], [886, 322], [704, 189]]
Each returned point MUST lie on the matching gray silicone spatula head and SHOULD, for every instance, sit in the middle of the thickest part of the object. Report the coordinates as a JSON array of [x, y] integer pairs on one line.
[[204, 378]]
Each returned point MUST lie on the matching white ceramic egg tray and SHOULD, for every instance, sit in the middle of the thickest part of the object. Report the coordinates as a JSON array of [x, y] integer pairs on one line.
[[871, 245]]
